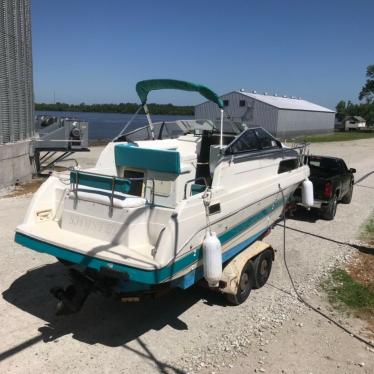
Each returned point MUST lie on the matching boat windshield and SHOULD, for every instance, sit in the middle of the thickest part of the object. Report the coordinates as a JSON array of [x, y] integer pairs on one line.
[[174, 129], [253, 139]]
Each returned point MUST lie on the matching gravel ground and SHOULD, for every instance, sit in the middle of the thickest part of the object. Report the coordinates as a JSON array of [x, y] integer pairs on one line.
[[190, 331]]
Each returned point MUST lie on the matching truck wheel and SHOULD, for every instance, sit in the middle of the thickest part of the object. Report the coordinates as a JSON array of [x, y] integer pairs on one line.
[[329, 212], [245, 285], [347, 198], [262, 268]]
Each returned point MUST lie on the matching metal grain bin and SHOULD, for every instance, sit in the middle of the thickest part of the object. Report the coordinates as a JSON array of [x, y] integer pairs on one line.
[[16, 82]]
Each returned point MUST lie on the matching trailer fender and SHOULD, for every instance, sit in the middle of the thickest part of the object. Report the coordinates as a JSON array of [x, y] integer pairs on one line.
[[232, 271]]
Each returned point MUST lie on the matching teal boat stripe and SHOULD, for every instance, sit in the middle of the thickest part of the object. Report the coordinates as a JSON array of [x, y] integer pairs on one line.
[[140, 275], [194, 275]]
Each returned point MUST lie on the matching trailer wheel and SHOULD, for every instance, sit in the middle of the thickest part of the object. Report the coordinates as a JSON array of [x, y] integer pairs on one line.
[[262, 268], [245, 285]]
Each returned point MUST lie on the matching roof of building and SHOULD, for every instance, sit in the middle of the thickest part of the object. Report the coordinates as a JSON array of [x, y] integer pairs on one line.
[[287, 102], [357, 118]]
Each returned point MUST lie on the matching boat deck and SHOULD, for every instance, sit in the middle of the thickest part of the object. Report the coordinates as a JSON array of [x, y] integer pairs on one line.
[[51, 233]]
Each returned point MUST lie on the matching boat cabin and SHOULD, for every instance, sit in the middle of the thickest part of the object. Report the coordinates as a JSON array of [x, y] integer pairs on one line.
[[167, 170]]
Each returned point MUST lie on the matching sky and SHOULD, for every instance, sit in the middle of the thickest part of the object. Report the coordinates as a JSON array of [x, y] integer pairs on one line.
[[94, 51]]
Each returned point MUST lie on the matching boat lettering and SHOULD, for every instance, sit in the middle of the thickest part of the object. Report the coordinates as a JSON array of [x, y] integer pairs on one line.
[[91, 225]]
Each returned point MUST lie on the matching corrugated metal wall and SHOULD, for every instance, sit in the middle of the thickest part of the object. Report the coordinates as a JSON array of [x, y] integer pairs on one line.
[[16, 83], [254, 113], [279, 122], [266, 116], [297, 122], [209, 110]]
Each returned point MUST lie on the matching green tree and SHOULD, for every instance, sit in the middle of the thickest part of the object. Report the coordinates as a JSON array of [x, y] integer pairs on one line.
[[341, 110], [367, 91], [116, 108]]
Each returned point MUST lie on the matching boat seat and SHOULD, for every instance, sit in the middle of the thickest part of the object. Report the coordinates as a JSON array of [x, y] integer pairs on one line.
[[160, 160], [104, 197], [103, 189], [100, 181]]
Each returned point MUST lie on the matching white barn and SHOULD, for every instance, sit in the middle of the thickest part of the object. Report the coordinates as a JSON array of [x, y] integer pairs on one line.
[[281, 116]]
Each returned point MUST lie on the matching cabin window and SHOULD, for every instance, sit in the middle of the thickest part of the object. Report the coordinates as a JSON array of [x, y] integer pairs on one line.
[[242, 103], [287, 165], [226, 103]]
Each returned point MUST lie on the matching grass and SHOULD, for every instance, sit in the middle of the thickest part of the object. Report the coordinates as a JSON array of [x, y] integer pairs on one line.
[[346, 292], [349, 295], [352, 289], [368, 230], [337, 137]]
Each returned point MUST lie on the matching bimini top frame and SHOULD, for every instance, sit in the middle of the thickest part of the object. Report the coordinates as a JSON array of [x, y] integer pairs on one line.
[[144, 87]]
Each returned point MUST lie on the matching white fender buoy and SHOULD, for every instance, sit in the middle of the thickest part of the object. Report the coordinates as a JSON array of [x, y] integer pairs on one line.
[[212, 259], [307, 196]]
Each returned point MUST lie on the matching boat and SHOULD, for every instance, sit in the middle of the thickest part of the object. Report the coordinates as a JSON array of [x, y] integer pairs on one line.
[[137, 221]]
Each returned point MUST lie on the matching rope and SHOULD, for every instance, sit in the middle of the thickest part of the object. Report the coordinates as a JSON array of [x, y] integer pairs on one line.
[[127, 124], [206, 201], [299, 297]]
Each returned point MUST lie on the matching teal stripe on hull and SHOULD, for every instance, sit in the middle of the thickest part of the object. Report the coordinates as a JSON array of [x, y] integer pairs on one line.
[[195, 275], [135, 274]]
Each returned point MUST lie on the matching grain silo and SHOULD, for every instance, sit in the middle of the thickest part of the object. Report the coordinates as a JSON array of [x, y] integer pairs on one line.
[[16, 91]]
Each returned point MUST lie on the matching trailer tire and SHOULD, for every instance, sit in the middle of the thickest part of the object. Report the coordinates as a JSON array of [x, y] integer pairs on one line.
[[245, 285], [262, 268]]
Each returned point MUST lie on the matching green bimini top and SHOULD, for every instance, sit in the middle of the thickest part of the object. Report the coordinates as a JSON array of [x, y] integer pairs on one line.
[[144, 87]]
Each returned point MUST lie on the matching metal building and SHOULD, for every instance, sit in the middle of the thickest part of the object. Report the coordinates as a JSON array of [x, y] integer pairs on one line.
[[16, 91], [281, 116]]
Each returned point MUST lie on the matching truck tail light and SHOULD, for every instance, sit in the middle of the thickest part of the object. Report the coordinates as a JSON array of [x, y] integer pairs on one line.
[[327, 190]]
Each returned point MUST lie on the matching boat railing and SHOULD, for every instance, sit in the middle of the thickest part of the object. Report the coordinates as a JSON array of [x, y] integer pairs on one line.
[[194, 181], [111, 183], [300, 148]]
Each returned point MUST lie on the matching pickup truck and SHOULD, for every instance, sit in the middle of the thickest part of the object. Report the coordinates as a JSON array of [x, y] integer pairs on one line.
[[332, 183]]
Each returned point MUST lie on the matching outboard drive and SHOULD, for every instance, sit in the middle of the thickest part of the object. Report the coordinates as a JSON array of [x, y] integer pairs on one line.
[[72, 297]]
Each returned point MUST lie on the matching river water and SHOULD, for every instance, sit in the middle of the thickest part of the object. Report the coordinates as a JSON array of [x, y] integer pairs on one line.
[[108, 125]]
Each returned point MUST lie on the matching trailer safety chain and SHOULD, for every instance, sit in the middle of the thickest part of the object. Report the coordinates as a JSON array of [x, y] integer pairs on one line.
[[299, 297]]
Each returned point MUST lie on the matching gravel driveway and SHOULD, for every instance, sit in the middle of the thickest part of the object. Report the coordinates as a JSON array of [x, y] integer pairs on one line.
[[190, 331]]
